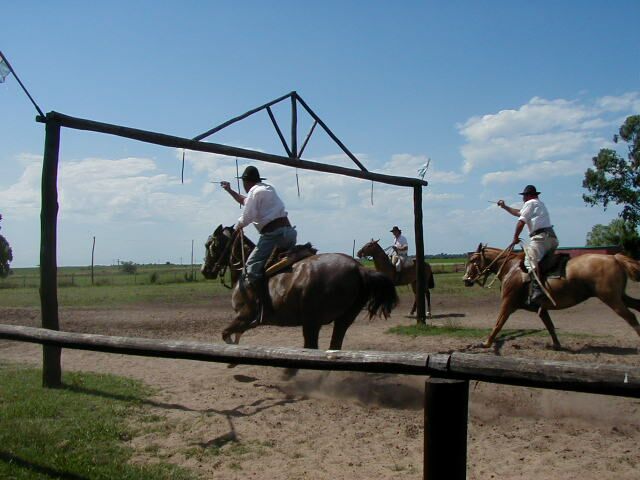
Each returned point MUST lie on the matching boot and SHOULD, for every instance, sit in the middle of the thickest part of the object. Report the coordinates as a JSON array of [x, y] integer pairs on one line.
[[257, 293], [535, 293]]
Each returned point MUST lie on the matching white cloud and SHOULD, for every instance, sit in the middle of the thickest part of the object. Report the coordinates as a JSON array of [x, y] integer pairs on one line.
[[542, 130], [22, 199], [629, 101], [97, 190], [536, 171]]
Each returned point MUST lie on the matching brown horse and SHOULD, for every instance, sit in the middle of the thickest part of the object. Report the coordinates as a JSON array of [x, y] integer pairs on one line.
[[590, 275], [313, 292], [407, 275]]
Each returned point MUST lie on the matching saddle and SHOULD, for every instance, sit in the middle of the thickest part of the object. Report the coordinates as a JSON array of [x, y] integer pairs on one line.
[[552, 265], [280, 261]]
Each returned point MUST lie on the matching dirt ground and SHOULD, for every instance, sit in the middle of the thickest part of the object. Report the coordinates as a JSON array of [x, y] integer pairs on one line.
[[248, 422]]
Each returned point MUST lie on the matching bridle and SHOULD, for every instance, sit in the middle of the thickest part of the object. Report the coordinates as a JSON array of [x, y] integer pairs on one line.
[[482, 273], [226, 258]]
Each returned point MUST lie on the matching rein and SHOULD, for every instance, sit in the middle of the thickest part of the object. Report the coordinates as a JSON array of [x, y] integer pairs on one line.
[[223, 267], [486, 270]]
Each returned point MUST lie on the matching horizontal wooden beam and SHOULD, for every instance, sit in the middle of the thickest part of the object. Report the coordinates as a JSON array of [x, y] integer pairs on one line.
[[616, 380], [188, 144]]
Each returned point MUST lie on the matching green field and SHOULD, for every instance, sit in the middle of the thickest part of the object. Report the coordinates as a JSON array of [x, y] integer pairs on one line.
[[78, 431], [171, 284]]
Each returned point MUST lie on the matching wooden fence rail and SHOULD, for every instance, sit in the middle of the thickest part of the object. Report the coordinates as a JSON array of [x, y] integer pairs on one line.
[[591, 378], [446, 391]]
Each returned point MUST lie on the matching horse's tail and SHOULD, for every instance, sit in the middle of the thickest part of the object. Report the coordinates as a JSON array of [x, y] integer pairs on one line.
[[631, 266], [379, 293], [431, 281]]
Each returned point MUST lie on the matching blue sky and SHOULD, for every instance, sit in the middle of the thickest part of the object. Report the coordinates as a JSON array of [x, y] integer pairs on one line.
[[497, 94]]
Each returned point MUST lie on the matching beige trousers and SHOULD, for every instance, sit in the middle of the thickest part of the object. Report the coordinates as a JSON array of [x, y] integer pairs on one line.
[[539, 246]]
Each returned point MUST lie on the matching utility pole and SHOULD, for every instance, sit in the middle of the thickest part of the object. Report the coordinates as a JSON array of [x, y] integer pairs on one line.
[[93, 249]]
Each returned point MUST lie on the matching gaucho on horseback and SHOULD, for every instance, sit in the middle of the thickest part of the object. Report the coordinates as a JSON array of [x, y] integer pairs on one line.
[[264, 208], [542, 238]]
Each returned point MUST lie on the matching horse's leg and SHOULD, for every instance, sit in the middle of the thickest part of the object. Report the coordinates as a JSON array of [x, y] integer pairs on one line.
[[619, 306], [631, 302], [236, 328], [427, 294], [310, 332], [506, 309], [414, 288], [340, 327], [546, 319]]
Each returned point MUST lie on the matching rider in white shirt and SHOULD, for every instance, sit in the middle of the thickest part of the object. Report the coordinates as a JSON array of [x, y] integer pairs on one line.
[[264, 208], [400, 251], [542, 238]]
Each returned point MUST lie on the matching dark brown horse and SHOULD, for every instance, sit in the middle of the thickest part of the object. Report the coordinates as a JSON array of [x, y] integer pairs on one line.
[[407, 275], [591, 275], [313, 292]]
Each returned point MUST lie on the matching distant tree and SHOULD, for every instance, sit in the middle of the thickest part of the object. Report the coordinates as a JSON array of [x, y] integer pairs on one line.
[[6, 256], [614, 179], [128, 267], [618, 232]]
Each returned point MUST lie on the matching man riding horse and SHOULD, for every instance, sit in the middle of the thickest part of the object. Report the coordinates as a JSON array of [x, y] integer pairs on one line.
[[264, 208], [543, 240], [400, 251]]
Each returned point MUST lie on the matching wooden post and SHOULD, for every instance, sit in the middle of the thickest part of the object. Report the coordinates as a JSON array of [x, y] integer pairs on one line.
[[446, 410], [51, 370], [294, 127], [421, 283], [93, 250]]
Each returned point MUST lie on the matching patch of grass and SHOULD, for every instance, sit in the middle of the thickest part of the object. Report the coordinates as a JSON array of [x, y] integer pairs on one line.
[[459, 332], [78, 431], [113, 295], [229, 448]]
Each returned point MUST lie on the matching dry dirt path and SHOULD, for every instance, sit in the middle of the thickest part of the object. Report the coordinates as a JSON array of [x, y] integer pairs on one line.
[[248, 422]]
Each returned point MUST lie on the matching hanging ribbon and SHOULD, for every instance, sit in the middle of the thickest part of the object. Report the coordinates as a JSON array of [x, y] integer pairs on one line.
[[182, 174]]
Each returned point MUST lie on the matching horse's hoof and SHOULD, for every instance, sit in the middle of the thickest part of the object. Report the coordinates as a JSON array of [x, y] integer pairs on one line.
[[227, 339]]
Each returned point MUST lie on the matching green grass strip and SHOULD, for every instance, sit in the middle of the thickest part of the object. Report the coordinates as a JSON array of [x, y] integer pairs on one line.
[[460, 332], [76, 432]]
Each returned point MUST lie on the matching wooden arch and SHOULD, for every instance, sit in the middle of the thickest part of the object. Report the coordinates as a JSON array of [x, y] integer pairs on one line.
[[54, 121]]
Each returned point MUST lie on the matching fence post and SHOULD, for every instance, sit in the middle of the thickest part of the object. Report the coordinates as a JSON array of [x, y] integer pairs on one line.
[[446, 410], [421, 281], [51, 369]]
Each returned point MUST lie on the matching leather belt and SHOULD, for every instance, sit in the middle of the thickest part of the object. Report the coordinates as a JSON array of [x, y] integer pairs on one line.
[[542, 230], [275, 224]]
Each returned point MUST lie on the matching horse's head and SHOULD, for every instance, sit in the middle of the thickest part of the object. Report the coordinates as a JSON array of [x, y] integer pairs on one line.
[[216, 248], [476, 263], [369, 248]]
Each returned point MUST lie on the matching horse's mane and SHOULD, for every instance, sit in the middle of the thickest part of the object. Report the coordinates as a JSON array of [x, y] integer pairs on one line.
[[497, 251]]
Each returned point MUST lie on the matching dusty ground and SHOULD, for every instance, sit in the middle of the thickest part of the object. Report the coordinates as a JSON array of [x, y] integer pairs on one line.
[[249, 422]]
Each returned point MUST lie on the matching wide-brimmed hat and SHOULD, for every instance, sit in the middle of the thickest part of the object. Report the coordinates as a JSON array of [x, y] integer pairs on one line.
[[251, 174], [395, 229], [530, 190]]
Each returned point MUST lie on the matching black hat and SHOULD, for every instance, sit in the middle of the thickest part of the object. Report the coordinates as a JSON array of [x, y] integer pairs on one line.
[[395, 229], [529, 190], [251, 173]]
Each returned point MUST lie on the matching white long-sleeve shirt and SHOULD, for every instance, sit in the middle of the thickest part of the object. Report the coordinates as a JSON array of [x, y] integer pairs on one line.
[[261, 205], [535, 214]]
